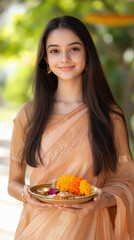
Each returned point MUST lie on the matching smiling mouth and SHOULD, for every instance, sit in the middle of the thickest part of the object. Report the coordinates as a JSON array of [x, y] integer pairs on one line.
[[68, 68]]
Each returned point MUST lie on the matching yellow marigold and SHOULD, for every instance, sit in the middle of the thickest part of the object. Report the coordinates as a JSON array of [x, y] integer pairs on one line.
[[85, 188], [64, 182]]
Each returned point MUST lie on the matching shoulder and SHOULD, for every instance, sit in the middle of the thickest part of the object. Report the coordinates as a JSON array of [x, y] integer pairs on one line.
[[119, 122], [24, 114], [116, 114], [25, 109]]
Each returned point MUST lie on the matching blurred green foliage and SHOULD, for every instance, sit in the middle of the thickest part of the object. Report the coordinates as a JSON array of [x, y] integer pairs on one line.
[[7, 114], [22, 25]]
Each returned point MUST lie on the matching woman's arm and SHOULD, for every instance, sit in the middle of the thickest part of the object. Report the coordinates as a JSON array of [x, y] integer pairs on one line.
[[16, 180], [16, 185], [102, 200]]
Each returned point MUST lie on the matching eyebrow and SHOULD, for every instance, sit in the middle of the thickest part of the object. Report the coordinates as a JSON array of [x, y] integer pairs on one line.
[[55, 45]]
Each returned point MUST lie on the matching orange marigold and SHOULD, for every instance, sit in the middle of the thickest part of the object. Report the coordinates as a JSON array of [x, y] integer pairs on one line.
[[64, 182], [75, 186], [85, 188]]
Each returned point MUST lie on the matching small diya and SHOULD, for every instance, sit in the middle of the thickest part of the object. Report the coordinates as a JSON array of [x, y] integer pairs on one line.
[[48, 190], [43, 190]]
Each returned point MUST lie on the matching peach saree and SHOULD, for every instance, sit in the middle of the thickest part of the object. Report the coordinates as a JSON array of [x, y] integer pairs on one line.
[[66, 149]]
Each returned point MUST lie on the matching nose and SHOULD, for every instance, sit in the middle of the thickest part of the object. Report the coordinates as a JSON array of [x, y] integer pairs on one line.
[[65, 56]]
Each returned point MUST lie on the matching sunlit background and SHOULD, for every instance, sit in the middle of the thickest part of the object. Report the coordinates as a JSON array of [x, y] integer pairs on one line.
[[111, 24]]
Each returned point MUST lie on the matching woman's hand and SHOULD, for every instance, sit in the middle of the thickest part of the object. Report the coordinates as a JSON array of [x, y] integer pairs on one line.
[[34, 202], [102, 200]]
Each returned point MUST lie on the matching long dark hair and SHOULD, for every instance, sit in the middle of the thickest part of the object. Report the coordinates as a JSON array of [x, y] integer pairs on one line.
[[96, 94]]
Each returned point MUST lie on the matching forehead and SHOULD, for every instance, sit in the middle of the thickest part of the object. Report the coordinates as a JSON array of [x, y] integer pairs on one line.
[[62, 36]]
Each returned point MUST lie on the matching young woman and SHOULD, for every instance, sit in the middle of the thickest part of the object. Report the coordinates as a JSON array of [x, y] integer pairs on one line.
[[72, 126]]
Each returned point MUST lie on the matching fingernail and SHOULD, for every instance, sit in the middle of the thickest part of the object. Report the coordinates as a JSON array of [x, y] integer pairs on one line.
[[99, 191], [96, 198]]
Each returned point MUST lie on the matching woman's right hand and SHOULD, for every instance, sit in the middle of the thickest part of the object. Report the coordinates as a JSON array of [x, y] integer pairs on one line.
[[34, 202]]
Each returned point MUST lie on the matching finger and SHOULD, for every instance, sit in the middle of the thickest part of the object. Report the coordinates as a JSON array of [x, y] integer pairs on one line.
[[75, 209], [28, 194], [99, 191], [36, 203], [56, 205], [76, 206], [27, 186], [71, 210], [41, 209], [39, 205], [79, 212], [96, 198], [25, 190]]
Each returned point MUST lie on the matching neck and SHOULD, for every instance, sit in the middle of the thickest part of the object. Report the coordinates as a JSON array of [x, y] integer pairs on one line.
[[69, 91]]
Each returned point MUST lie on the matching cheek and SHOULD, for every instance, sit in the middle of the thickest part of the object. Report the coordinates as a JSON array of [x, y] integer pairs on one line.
[[52, 61], [81, 57], [83, 61]]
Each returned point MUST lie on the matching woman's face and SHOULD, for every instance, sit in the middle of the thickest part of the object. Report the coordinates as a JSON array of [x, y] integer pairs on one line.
[[66, 54]]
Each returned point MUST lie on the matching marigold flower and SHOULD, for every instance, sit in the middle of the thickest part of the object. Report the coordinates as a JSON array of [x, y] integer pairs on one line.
[[85, 188], [69, 183], [75, 186], [64, 182]]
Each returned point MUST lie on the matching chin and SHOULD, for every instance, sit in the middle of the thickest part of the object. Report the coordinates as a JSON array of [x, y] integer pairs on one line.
[[67, 77]]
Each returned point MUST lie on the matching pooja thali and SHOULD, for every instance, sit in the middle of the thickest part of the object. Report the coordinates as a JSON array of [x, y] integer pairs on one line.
[[39, 192]]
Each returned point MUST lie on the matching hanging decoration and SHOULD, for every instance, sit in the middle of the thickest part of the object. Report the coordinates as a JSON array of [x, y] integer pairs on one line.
[[110, 20]]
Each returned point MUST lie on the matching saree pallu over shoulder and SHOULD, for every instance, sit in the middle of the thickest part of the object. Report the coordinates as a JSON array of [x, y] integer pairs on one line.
[[66, 149], [63, 149]]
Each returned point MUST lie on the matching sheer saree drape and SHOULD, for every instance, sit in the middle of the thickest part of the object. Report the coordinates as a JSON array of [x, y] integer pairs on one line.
[[65, 149]]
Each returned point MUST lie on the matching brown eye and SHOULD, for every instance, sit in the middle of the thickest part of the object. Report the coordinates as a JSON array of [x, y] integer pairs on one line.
[[54, 51], [75, 49]]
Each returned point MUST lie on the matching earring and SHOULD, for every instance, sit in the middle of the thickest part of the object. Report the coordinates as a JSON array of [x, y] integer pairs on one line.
[[48, 69]]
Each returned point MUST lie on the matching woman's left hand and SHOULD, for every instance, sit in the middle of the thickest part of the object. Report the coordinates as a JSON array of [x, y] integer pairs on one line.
[[102, 200]]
